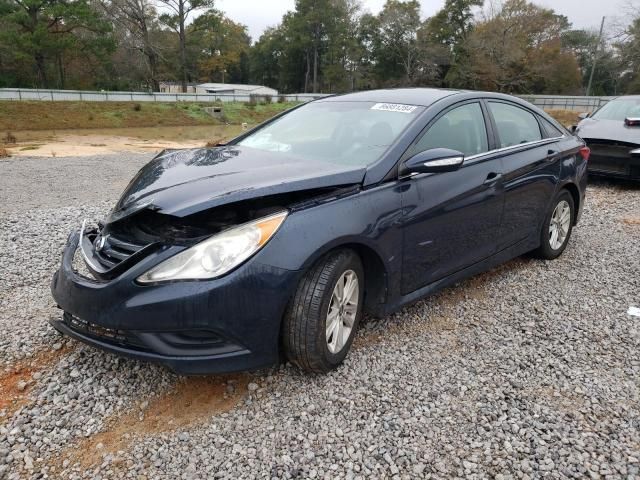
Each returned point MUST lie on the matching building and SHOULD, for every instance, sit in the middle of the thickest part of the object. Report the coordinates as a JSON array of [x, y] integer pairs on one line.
[[176, 87], [235, 89]]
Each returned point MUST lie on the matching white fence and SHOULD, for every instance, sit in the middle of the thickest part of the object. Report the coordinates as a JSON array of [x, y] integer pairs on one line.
[[88, 96], [549, 102]]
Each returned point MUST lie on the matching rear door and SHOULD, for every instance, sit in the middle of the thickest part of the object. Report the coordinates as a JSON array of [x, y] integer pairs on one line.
[[531, 163], [451, 219]]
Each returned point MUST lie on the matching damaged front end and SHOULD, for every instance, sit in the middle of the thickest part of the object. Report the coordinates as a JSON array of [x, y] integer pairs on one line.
[[173, 274], [109, 249]]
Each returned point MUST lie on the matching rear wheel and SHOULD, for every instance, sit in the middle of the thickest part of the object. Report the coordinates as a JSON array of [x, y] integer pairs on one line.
[[557, 227], [324, 314]]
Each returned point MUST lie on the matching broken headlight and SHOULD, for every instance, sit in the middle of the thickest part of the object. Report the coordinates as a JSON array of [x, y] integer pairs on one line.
[[218, 254]]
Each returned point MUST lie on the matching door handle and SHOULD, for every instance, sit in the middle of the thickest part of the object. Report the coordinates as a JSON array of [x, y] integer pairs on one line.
[[552, 155], [493, 178]]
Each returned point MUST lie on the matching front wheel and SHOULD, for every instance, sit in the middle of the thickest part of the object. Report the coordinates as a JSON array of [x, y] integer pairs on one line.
[[557, 227], [324, 314]]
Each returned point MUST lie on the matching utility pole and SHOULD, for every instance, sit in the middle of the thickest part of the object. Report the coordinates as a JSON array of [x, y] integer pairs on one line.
[[595, 57]]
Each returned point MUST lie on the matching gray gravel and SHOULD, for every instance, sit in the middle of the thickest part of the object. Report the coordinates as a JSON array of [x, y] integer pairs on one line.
[[530, 370]]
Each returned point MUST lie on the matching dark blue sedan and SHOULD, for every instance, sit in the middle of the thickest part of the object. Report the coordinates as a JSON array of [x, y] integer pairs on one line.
[[228, 258]]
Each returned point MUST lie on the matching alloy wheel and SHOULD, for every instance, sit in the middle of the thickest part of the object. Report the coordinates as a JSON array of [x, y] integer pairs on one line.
[[559, 225], [343, 309]]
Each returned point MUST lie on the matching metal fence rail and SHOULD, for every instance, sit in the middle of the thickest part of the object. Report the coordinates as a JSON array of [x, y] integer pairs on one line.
[[90, 96], [559, 102], [549, 102]]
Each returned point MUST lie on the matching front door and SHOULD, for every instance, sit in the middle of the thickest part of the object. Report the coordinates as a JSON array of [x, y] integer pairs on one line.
[[452, 219]]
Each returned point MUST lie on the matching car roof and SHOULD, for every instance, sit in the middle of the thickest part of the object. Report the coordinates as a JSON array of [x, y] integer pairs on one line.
[[627, 97], [406, 96]]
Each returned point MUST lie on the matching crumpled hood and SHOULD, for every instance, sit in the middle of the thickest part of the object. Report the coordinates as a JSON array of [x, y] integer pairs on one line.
[[594, 129], [183, 182]]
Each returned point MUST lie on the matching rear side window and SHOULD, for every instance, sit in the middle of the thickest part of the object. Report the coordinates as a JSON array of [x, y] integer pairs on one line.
[[462, 129], [514, 124], [550, 129]]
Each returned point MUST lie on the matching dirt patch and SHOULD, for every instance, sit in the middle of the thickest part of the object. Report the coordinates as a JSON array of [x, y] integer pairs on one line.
[[191, 401], [18, 380], [633, 221], [83, 142], [84, 145]]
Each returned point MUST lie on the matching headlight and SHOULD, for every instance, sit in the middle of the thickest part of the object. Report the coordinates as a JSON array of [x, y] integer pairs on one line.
[[217, 255]]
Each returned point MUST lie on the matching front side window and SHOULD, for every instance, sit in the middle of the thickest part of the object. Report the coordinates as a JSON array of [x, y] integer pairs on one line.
[[349, 133], [514, 124], [461, 129]]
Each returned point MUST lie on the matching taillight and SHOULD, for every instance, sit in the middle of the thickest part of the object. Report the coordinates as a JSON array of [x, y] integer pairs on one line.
[[585, 152]]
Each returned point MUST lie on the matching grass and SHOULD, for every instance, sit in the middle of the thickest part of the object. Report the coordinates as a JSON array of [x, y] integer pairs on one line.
[[565, 117], [16, 116], [238, 113]]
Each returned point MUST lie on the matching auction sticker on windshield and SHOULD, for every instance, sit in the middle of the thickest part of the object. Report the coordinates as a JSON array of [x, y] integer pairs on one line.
[[394, 107]]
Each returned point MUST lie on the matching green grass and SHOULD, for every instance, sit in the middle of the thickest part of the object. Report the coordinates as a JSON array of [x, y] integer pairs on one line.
[[16, 116], [237, 113]]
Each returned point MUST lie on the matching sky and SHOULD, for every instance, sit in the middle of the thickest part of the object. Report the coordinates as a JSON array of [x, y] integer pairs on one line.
[[260, 14]]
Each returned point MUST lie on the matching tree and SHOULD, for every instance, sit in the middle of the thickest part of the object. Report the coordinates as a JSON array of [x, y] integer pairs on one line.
[[449, 29], [628, 49], [519, 50], [398, 44], [221, 47], [51, 33], [313, 49], [138, 19], [177, 20], [264, 58]]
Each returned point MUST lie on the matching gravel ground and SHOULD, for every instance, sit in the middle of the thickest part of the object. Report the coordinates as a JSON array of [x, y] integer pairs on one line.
[[530, 370]]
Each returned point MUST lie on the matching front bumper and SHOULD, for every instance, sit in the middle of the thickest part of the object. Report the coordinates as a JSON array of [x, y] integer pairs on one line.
[[193, 327], [613, 160]]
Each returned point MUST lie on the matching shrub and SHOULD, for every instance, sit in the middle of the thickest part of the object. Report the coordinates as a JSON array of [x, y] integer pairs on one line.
[[253, 101], [10, 138], [267, 99], [213, 143], [4, 152], [137, 107], [282, 99]]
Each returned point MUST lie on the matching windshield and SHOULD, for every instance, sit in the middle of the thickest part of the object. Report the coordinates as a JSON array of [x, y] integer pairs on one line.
[[351, 133], [619, 109]]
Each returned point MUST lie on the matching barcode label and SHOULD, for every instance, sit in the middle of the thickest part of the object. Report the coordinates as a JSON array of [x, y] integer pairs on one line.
[[394, 107]]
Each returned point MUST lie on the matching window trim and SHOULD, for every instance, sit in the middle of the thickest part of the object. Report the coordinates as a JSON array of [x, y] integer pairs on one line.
[[520, 146]]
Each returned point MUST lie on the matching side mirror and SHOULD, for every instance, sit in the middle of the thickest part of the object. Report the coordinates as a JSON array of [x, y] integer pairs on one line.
[[584, 115], [632, 122], [435, 160]]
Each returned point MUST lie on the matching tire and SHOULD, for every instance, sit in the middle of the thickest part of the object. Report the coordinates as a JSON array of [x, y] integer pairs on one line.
[[550, 250], [304, 332]]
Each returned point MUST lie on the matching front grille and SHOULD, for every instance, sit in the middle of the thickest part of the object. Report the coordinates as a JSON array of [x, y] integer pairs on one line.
[[110, 250], [98, 332]]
